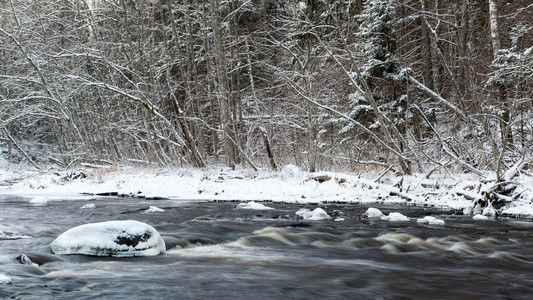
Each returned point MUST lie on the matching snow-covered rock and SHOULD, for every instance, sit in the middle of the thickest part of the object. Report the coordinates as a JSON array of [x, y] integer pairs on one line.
[[253, 205], [489, 211], [154, 209], [373, 213], [112, 238], [480, 217], [5, 279], [88, 206], [395, 217], [316, 215], [430, 221]]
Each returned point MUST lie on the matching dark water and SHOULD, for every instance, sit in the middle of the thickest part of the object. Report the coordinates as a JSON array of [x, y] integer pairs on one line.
[[216, 251]]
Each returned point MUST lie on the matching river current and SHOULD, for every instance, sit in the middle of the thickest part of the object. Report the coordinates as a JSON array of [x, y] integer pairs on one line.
[[216, 251]]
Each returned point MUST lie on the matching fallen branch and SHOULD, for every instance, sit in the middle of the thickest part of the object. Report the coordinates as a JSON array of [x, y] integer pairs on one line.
[[28, 158]]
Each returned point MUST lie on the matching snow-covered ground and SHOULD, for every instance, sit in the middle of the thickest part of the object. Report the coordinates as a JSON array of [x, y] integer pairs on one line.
[[291, 184]]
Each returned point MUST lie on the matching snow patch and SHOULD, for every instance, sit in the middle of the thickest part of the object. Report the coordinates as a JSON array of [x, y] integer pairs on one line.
[[318, 214], [112, 238], [253, 205], [430, 221]]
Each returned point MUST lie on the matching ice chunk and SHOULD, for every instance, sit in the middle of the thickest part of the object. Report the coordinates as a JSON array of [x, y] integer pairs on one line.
[[373, 213], [5, 279], [316, 215], [430, 220], [395, 217], [253, 205], [88, 206], [112, 238], [480, 217], [154, 209]]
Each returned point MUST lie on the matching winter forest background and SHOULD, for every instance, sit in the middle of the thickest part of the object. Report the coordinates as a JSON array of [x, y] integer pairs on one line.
[[415, 85]]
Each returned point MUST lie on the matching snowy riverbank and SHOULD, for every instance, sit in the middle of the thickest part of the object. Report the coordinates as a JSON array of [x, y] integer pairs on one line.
[[291, 184]]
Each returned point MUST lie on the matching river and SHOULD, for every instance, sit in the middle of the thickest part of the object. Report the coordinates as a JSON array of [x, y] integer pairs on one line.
[[216, 251]]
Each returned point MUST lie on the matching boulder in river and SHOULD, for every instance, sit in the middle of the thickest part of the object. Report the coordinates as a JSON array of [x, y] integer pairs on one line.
[[112, 238]]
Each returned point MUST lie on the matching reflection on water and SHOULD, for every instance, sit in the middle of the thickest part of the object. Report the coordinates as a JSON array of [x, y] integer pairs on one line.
[[216, 251]]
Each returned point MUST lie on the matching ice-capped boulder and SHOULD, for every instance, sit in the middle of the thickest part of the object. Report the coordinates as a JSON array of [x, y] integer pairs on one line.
[[112, 238], [373, 213], [395, 217], [316, 215]]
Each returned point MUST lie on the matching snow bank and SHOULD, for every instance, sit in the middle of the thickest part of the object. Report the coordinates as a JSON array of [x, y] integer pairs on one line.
[[430, 221], [5, 279], [479, 217], [395, 217], [373, 213], [253, 205], [113, 238], [318, 214], [290, 185]]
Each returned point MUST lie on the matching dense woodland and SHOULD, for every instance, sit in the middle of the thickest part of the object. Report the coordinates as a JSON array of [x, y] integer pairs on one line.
[[414, 85]]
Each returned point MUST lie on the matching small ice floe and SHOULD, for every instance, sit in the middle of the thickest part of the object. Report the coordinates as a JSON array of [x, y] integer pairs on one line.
[[88, 206], [39, 200], [12, 236], [373, 213], [316, 215], [339, 219], [154, 209], [253, 205], [112, 238], [430, 221], [479, 217], [395, 217], [5, 279]]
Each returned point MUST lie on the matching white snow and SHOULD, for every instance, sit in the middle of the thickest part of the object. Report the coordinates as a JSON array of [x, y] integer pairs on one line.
[[5, 279], [291, 185], [88, 206], [154, 209], [430, 221], [489, 211], [395, 217], [253, 205], [112, 238], [318, 214], [373, 213]]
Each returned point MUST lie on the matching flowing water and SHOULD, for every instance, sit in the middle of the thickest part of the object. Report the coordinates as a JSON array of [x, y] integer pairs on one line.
[[216, 251]]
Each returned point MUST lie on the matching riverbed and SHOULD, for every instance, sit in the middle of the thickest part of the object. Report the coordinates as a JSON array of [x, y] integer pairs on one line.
[[217, 251]]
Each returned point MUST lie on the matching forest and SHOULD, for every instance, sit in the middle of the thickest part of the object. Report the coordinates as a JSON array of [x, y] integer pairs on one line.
[[408, 85]]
